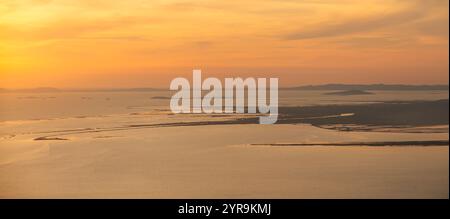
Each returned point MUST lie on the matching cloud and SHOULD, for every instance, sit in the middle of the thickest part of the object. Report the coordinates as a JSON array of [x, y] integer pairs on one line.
[[110, 28], [355, 26], [434, 27], [257, 8], [202, 44], [126, 38], [415, 17], [375, 41]]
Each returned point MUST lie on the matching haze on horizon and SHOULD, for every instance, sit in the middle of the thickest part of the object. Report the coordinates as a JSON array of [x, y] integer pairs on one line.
[[105, 43]]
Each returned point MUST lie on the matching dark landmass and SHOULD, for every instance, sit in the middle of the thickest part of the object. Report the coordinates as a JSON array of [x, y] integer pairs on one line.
[[50, 139], [349, 93], [376, 144], [391, 87], [406, 113], [396, 116]]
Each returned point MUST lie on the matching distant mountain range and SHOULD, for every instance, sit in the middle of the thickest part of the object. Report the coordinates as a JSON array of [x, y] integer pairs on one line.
[[343, 87], [392, 87], [349, 93]]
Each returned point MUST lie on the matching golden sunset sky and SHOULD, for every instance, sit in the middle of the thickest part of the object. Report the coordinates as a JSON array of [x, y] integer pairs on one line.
[[137, 43]]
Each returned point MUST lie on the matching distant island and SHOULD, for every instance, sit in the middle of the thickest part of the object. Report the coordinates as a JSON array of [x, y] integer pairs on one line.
[[349, 93], [391, 87]]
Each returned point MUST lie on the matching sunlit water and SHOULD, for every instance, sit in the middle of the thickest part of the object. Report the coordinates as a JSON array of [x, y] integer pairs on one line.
[[31, 106], [104, 144]]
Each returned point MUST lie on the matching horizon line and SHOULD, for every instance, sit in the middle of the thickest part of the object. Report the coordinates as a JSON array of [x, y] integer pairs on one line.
[[144, 88]]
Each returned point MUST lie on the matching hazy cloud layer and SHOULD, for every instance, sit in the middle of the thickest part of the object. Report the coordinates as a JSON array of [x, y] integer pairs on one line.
[[309, 41]]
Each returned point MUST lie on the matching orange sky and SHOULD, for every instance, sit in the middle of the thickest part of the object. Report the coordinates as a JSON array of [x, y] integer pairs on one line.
[[136, 43]]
